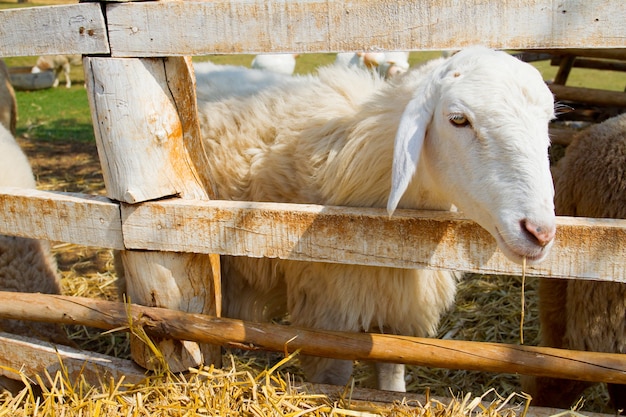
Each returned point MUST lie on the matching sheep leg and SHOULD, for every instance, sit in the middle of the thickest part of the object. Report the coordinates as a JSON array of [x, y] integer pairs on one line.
[[326, 370], [66, 71], [553, 392], [617, 392], [552, 311], [390, 376]]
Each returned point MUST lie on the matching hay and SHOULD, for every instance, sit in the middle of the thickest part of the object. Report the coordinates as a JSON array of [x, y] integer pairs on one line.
[[207, 391]]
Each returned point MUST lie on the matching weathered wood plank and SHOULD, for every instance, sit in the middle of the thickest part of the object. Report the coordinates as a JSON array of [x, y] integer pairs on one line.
[[49, 30], [34, 357], [252, 26], [586, 248], [137, 127], [449, 354], [76, 218]]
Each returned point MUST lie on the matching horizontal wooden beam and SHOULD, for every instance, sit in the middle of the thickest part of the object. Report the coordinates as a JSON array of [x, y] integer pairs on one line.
[[589, 95], [75, 218], [149, 28], [50, 30], [618, 53], [449, 354], [585, 248]]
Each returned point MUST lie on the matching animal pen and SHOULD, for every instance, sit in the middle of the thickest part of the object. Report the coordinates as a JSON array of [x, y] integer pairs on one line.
[[141, 90]]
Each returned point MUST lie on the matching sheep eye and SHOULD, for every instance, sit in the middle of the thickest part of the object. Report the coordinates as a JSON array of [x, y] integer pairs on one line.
[[459, 120]]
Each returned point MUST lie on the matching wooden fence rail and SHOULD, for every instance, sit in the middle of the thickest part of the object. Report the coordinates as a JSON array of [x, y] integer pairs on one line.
[[584, 249], [142, 97], [142, 29]]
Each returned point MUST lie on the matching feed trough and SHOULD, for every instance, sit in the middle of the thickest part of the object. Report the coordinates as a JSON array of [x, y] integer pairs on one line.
[[23, 79]]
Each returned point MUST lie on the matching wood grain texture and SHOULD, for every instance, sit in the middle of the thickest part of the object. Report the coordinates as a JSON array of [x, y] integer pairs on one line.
[[33, 357], [585, 248], [138, 130], [253, 26], [51, 30], [147, 135], [65, 217]]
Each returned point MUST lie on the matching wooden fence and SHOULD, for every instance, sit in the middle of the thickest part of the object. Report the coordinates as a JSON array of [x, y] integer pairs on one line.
[[142, 97]]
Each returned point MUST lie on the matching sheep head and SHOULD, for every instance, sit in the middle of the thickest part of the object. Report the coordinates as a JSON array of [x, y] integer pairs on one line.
[[479, 128]]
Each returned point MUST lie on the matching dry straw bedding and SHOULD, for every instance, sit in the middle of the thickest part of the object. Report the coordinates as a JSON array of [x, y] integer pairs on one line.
[[487, 309]]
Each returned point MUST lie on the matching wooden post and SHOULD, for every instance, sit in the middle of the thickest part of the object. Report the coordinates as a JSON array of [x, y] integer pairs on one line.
[[144, 113]]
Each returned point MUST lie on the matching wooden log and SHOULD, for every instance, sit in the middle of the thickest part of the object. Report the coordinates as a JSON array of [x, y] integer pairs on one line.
[[138, 131], [145, 28], [600, 52], [450, 354], [589, 95], [147, 135], [50, 30], [565, 67], [597, 64], [34, 357]]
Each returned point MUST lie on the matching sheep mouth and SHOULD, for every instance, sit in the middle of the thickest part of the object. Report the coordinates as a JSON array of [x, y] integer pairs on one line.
[[532, 252]]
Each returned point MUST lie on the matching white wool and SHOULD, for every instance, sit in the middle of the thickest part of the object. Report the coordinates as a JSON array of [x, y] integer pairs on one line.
[[279, 63], [224, 81], [15, 169], [26, 265]]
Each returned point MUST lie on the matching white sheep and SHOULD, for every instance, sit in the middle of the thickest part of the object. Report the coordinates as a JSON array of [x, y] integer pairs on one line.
[[59, 64], [394, 64], [370, 60], [8, 103], [232, 80], [470, 132], [26, 265], [279, 63], [590, 181]]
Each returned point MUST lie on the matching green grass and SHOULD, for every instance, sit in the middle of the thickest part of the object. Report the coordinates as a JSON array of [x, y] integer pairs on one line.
[[55, 114]]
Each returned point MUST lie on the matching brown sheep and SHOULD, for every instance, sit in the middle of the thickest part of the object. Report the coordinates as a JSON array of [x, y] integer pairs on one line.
[[590, 181]]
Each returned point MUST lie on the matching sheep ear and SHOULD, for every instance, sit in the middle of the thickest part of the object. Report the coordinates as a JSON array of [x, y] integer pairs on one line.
[[408, 145]]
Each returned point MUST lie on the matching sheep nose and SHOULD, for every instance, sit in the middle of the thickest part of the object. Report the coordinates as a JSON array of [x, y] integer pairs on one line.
[[543, 234]]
